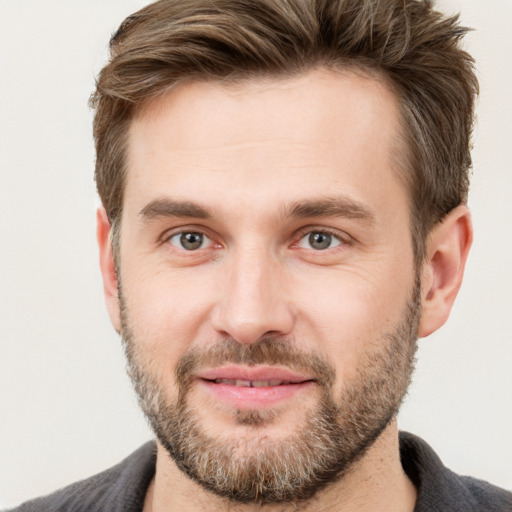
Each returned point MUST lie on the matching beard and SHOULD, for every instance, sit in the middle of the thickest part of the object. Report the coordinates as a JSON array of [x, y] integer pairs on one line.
[[335, 433]]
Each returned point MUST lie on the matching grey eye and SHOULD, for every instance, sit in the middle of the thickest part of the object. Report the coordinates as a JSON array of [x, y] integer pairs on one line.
[[319, 241], [189, 240]]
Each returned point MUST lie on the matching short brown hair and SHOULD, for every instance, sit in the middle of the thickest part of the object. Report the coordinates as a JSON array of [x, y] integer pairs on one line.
[[414, 48]]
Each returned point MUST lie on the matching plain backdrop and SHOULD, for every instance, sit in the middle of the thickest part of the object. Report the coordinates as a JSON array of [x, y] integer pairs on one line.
[[67, 409]]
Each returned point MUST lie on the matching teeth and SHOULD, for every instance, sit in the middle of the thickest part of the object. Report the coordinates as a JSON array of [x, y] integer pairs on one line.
[[251, 383], [262, 384], [231, 382]]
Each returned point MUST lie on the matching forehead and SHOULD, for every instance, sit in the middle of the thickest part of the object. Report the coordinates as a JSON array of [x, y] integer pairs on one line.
[[312, 133], [318, 99]]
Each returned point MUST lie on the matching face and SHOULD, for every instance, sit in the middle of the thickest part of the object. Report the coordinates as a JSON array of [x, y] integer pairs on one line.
[[268, 295]]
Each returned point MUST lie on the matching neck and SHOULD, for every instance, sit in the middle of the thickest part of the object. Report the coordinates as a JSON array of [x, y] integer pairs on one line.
[[375, 483]]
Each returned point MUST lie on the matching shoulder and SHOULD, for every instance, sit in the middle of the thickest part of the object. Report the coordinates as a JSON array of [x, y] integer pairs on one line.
[[121, 488], [440, 489], [488, 497]]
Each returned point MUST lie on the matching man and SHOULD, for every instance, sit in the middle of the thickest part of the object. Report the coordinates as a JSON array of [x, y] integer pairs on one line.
[[283, 188]]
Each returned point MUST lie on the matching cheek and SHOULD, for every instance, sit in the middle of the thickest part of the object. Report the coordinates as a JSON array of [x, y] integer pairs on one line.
[[347, 315], [166, 313]]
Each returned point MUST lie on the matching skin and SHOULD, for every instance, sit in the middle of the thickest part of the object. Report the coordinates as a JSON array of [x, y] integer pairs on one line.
[[247, 154]]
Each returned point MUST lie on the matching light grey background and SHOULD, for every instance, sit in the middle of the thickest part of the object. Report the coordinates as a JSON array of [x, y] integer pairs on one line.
[[67, 409]]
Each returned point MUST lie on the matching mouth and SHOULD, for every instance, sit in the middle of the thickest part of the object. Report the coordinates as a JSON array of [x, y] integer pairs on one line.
[[254, 383], [253, 388]]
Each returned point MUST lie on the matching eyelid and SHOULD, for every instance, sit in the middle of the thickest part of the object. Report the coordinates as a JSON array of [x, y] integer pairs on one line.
[[343, 237], [306, 243], [191, 228], [206, 241]]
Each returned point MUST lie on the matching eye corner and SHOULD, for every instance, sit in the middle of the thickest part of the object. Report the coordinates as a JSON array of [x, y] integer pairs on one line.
[[319, 239], [188, 240]]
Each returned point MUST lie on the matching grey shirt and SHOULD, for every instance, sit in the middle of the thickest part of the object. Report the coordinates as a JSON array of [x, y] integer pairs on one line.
[[123, 487]]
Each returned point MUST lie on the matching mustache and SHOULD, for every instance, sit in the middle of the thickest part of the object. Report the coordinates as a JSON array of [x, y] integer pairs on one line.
[[269, 350]]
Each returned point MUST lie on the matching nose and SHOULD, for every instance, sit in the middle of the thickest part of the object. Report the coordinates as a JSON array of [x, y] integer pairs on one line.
[[253, 302]]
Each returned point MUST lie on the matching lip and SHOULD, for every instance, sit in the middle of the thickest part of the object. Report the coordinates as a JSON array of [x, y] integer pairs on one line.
[[253, 398], [253, 373]]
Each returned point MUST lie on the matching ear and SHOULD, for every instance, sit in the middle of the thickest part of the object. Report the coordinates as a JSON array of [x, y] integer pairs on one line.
[[447, 251], [108, 270]]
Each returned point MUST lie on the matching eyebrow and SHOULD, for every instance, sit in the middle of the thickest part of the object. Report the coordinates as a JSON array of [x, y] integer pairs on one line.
[[338, 206], [172, 208]]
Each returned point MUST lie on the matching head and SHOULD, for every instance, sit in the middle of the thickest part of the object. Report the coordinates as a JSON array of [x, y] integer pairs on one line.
[[285, 210]]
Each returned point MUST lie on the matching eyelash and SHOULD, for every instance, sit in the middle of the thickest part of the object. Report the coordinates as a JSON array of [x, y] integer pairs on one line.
[[190, 232], [342, 239]]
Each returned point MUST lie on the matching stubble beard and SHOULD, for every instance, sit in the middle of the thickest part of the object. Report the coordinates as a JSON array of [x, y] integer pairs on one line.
[[258, 469]]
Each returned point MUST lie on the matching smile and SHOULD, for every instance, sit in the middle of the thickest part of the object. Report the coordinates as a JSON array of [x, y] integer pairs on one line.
[[253, 388], [253, 383]]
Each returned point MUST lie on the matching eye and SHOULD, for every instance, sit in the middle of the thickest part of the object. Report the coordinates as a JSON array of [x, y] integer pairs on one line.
[[190, 240], [319, 241]]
